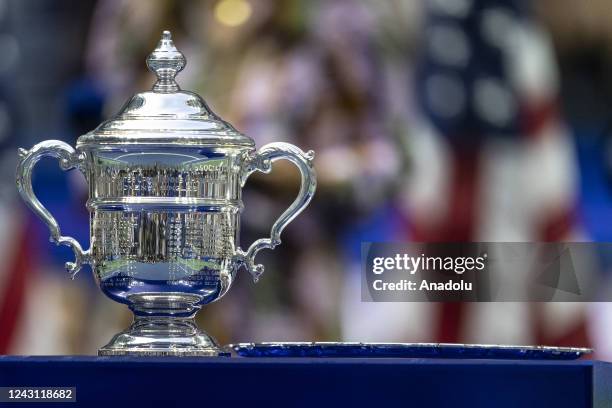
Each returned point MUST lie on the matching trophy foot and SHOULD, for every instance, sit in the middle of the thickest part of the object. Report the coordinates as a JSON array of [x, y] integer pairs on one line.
[[163, 336]]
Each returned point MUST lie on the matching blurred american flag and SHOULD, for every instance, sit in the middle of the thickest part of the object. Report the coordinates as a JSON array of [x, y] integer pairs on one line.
[[490, 160], [501, 165]]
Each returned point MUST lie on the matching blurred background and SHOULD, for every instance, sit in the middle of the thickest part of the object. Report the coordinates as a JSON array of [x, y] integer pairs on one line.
[[439, 120]]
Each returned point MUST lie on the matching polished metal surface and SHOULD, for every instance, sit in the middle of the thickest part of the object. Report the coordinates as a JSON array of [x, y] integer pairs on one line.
[[69, 159], [165, 115], [407, 350], [165, 180]]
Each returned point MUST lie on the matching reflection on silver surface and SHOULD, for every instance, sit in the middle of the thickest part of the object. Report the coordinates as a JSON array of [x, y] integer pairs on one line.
[[165, 180], [406, 350]]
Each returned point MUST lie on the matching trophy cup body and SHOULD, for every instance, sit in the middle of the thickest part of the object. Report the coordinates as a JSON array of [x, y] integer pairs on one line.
[[165, 181]]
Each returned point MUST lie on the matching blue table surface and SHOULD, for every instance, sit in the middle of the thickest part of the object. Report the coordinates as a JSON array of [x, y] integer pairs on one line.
[[307, 382]]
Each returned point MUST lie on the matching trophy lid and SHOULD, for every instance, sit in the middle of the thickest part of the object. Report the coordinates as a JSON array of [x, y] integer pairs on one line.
[[165, 115]]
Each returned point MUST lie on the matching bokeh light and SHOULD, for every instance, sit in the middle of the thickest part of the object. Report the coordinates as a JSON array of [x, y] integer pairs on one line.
[[233, 13]]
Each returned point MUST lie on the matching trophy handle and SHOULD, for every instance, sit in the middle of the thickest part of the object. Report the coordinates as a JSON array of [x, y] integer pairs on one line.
[[68, 158], [262, 161]]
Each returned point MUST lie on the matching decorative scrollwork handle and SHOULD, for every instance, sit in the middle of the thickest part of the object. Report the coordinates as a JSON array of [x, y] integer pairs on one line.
[[68, 159], [262, 161]]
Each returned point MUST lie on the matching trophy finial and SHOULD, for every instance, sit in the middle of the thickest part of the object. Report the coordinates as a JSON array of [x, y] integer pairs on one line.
[[166, 61]]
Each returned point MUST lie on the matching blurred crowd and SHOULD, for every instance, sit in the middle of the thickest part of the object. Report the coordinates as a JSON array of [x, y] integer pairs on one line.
[[432, 120]]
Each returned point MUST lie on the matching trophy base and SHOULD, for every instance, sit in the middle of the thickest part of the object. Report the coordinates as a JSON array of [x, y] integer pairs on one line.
[[163, 336]]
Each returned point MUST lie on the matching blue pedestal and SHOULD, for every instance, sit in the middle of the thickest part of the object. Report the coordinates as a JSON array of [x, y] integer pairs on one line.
[[305, 382]]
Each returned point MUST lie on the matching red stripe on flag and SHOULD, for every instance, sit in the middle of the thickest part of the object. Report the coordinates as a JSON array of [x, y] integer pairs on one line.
[[13, 299], [457, 226], [558, 225], [534, 117]]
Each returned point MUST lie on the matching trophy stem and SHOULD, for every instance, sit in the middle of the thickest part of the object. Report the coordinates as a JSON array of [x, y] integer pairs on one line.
[[165, 328]]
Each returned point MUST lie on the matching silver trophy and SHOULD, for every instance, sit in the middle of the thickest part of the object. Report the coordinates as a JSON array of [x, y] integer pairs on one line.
[[165, 180]]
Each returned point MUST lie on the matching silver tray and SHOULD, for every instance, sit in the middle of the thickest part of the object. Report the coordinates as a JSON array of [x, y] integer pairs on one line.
[[406, 350]]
